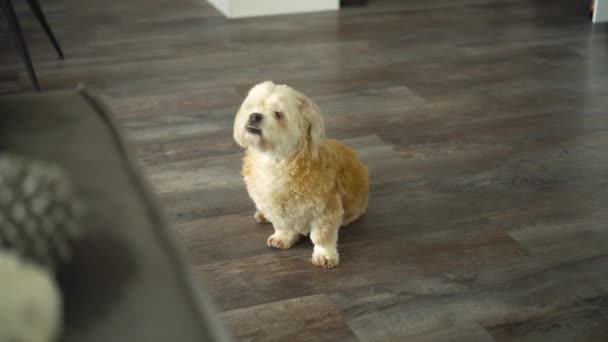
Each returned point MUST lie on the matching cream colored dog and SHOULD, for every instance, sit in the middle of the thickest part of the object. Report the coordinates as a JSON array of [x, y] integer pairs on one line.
[[301, 182]]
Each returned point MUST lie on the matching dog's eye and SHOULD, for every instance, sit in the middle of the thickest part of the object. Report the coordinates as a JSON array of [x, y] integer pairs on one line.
[[278, 115]]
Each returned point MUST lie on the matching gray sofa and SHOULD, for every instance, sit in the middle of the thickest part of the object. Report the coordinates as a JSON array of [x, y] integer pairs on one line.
[[128, 280]]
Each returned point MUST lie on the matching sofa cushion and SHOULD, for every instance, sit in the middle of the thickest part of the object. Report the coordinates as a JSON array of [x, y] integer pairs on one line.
[[128, 280]]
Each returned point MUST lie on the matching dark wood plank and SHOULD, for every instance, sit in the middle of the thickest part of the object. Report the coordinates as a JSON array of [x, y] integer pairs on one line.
[[395, 315], [573, 324], [312, 318]]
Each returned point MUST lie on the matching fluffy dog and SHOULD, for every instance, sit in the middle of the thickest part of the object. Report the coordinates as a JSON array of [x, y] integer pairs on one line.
[[299, 181]]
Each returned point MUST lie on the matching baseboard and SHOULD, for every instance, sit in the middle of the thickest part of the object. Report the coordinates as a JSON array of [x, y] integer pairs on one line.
[[255, 8]]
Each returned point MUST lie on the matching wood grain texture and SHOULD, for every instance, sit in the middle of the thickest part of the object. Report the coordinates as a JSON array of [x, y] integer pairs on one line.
[[311, 318], [483, 123]]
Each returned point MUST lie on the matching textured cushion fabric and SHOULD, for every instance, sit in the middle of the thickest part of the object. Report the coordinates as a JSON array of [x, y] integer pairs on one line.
[[128, 280]]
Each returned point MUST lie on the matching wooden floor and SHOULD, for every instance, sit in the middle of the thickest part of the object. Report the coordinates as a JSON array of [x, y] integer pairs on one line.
[[484, 124]]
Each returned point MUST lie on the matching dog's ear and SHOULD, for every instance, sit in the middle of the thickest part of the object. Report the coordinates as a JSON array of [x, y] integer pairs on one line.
[[315, 126], [239, 123], [237, 131]]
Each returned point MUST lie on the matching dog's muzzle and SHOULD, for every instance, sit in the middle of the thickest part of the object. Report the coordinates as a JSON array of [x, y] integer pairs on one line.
[[253, 124]]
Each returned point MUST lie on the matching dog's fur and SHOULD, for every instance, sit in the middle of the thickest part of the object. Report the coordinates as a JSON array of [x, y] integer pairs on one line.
[[300, 182]]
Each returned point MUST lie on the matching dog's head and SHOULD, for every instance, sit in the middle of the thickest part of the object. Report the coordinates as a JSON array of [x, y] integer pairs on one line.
[[278, 120]]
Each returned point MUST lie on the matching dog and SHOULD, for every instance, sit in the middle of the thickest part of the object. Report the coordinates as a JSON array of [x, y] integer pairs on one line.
[[300, 181]]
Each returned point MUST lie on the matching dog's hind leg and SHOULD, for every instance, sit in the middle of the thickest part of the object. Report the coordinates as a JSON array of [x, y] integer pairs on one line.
[[283, 238], [258, 216]]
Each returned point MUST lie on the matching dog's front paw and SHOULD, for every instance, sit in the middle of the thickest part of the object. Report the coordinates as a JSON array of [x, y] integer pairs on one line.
[[281, 241], [325, 257], [260, 217]]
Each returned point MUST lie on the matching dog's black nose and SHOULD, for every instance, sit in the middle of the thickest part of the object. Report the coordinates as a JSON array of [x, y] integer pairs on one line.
[[255, 118]]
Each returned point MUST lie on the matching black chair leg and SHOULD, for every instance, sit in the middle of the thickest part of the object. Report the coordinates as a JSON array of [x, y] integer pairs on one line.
[[13, 24], [35, 6]]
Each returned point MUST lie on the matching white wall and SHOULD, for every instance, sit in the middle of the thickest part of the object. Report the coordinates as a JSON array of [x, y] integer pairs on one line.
[[221, 5], [254, 8], [601, 11]]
